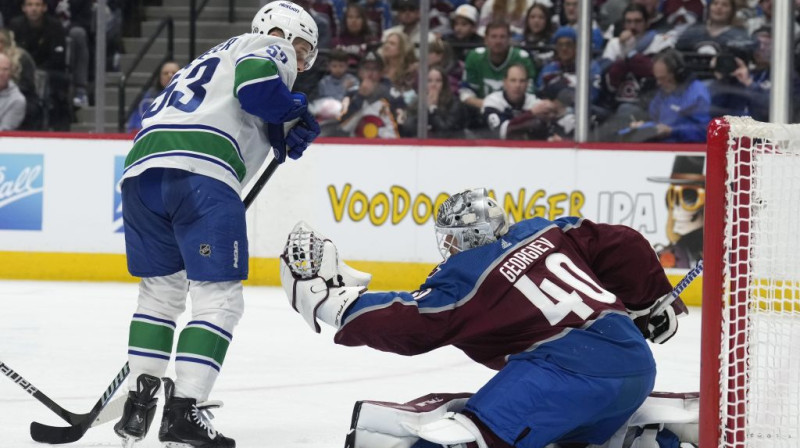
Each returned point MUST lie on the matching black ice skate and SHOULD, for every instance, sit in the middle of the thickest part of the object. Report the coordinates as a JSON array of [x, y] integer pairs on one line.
[[185, 424], [139, 410]]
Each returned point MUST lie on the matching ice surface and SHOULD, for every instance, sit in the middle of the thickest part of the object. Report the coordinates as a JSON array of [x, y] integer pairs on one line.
[[282, 385]]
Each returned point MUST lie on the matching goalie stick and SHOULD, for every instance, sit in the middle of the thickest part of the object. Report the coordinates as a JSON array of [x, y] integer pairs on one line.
[[100, 413], [689, 278]]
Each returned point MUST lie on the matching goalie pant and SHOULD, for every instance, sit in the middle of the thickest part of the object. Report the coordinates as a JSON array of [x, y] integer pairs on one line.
[[664, 419]]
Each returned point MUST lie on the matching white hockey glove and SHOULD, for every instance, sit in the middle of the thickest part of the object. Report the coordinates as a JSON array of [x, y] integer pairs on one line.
[[662, 326], [317, 283]]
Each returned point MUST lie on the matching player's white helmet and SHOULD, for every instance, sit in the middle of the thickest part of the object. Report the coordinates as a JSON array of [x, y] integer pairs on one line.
[[293, 20], [469, 219]]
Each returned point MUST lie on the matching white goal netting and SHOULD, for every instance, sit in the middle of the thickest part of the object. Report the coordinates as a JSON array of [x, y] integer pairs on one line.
[[760, 344]]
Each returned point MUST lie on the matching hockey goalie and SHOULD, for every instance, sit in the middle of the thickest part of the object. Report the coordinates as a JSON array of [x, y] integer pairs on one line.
[[562, 310]]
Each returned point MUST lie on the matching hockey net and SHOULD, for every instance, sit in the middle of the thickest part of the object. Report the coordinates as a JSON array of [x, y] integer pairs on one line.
[[750, 368]]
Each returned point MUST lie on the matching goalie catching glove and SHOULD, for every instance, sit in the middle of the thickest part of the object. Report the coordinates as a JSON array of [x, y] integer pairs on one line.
[[318, 284]]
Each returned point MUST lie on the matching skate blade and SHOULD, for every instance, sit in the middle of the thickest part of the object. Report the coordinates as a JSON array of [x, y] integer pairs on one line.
[[130, 442], [176, 445]]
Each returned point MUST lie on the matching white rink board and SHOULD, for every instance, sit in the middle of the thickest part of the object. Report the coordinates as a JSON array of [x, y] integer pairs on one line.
[[80, 202]]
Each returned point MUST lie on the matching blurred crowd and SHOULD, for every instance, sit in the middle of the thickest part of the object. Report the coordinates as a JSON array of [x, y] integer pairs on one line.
[[505, 69], [46, 51], [502, 69]]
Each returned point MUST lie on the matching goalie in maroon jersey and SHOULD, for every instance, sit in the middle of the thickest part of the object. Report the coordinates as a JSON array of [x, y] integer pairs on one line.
[[560, 308]]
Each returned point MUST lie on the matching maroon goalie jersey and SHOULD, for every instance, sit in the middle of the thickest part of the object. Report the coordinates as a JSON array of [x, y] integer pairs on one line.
[[555, 289]]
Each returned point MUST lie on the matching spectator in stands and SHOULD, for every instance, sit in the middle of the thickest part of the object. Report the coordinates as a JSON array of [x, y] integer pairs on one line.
[[308, 80], [679, 111], [333, 87], [23, 65], [441, 54], [666, 32], [514, 114], [408, 16], [328, 9], [718, 32], [569, 17], [634, 38], [114, 25], [165, 73], [681, 14], [665, 15], [485, 67], [561, 70], [628, 78], [465, 31], [446, 114], [323, 23], [538, 27], [379, 13], [374, 110], [562, 122], [609, 13], [439, 17], [44, 38], [742, 89], [356, 36], [23, 73], [510, 11], [338, 81], [9, 10], [398, 63], [12, 102], [764, 18], [76, 18]]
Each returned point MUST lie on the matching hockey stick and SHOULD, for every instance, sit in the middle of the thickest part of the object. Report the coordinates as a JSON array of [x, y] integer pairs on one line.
[[689, 278], [27, 386], [260, 182], [79, 422], [101, 413]]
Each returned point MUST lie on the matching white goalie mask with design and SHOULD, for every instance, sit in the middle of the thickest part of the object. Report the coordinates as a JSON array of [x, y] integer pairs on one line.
[[467, 220], [293, 20]]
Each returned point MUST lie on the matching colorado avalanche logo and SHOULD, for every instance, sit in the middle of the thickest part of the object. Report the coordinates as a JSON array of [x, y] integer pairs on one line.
[[373, 120], [369, 126]]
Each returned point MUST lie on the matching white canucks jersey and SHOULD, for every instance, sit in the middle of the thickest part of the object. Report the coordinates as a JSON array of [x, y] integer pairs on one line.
[[198, 122]]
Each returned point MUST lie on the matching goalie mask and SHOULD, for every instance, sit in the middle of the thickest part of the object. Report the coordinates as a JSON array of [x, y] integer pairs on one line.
[[467, 220], [293, 20]]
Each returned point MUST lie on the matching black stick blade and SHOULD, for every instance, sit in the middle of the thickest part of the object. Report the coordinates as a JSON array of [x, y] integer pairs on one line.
[[57, 434]]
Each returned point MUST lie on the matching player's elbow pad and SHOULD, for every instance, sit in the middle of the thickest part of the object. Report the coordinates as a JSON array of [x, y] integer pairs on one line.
[[269, 100]]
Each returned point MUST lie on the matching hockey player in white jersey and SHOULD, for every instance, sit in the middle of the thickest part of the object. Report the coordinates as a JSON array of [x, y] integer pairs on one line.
[[202, 139]]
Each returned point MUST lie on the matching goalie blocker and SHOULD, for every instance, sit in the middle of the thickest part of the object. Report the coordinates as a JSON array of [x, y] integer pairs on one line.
[[433, 420]]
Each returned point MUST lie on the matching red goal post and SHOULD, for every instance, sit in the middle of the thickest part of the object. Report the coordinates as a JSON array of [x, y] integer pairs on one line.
[[750, 354]]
